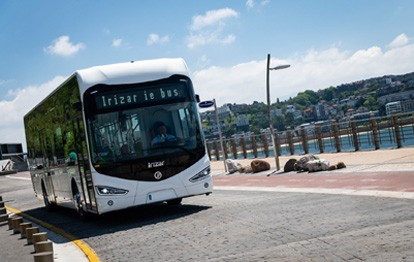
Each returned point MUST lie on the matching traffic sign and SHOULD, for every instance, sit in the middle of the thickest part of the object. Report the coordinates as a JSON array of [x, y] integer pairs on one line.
[[206, 104]]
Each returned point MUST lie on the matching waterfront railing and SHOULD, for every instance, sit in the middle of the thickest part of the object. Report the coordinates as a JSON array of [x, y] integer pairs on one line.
[[394, 131]]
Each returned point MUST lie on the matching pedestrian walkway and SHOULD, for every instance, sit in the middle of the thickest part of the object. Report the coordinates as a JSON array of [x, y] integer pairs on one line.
[[380, 173]]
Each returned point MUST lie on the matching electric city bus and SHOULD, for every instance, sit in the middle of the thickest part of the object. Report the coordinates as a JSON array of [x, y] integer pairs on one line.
[[91, 147]]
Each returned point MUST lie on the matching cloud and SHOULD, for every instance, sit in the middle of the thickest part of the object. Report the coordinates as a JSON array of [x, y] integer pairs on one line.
[[156, 39], [246, 82], [211, 18], [23, 100], [250, 3], [209, 28], [399, 41], [63, 47], [264, 2], [117, 42], [313, 70]]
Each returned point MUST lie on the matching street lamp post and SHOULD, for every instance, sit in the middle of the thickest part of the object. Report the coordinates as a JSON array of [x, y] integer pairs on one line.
[[207, 104], [268, 107], [220, 135]]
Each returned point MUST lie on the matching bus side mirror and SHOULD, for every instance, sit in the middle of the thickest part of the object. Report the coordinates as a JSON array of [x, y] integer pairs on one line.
[[197, 97]]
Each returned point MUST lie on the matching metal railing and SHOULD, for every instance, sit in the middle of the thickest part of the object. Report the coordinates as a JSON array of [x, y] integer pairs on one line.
[[393, 131]]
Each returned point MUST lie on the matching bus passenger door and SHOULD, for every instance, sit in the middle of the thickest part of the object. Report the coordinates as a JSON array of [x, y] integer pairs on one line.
[[86, 182]]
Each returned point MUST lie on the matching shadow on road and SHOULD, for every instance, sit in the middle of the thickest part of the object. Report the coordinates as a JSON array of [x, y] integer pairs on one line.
[[69, 221]]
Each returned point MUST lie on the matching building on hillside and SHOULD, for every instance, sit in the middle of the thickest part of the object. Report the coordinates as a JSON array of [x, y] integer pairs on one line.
[[397, 107], [407, 106], [239, 108], [310, 113], [406, 95], [322, 112], [242, 123], [276, 112], [365, 115], [224, 112], [393, 108], [292, 109], [349, 102]]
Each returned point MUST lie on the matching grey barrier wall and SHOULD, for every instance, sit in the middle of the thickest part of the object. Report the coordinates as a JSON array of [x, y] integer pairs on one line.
[[376, 133]]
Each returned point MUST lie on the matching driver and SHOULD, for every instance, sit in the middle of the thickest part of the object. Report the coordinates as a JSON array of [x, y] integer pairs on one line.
[[162, 136]]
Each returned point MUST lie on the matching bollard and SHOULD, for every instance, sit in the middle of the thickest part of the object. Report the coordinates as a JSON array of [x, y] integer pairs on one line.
[[23, 227], [44, 246], [254, 145], [304, 137], [3, 210], [216, 150], [289, 137], [38, 237], [16, 224], [3, 218], [354, 131], [265, 144], [29, 234], [243, 145], [233, 147], [43, 257], [10, 222], [1, 203], [1, 198]]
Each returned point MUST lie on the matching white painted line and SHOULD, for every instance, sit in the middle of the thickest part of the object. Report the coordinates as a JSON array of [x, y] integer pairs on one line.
[[352, 192], [19, 178]]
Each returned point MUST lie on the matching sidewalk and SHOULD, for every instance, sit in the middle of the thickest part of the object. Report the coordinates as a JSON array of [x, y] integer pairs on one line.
[[14, 248], [379, 173]]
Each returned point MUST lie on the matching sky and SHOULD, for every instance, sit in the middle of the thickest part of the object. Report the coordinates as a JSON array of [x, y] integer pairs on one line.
[[224, 43]]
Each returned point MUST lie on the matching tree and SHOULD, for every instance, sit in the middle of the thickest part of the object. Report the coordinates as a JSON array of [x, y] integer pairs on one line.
[[289, 120], [278, 122], [329, 93], [371, 103]]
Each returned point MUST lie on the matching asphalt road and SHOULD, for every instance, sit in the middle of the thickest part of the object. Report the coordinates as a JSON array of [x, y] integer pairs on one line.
[[240, 226]]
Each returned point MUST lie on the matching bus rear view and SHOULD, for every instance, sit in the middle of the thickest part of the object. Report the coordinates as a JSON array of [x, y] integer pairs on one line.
[[131, 136]]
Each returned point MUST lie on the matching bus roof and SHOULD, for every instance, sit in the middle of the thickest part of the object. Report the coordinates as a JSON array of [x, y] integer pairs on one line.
[[125, 73], [132, 72]]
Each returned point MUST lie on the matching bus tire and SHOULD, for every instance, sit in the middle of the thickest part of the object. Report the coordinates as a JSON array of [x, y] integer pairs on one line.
[[176, 201], [50, 206]]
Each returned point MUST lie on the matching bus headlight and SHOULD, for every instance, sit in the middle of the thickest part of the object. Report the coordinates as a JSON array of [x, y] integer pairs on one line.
[[201, 175], [106, 190]]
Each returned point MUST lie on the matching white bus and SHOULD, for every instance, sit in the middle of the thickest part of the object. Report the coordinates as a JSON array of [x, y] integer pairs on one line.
[[91, 147]]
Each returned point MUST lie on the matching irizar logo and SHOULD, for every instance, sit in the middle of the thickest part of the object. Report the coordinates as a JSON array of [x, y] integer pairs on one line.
[[158, 175], [155, 164]]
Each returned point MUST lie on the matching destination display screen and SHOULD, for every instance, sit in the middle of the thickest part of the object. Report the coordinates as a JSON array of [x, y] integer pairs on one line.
[[140, 96]]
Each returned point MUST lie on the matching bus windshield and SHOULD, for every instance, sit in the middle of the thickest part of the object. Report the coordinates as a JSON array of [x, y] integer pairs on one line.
[[138, 130], [133, 133]]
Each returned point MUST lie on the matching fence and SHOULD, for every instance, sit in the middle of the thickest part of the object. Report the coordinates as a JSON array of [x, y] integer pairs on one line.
[[368, 134]]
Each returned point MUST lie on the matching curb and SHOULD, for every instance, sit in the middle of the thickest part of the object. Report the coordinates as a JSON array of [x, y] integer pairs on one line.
[[43, 247]]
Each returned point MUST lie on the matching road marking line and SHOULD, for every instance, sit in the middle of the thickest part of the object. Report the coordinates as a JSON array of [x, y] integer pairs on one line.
[[352, 192], [86, 249]]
